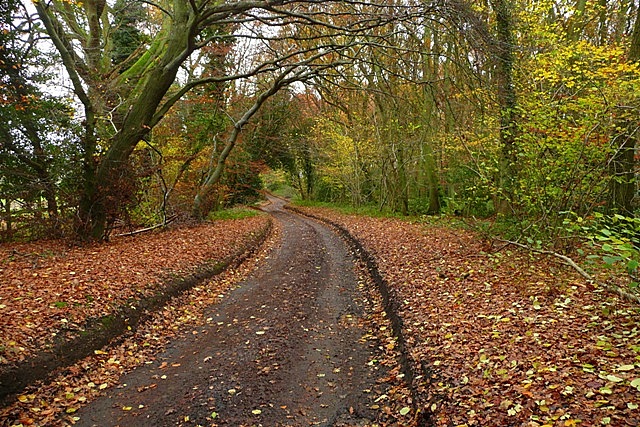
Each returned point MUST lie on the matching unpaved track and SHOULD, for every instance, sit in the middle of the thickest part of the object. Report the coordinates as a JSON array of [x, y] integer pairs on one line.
[[283, 349]]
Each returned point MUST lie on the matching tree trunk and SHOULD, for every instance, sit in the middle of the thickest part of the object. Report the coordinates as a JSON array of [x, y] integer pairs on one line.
[[432, 181], [199, 211], [104, 191], [8, 219], [622, 187], [507, 101]]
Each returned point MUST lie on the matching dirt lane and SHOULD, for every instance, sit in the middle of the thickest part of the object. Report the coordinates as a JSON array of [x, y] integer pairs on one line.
[[283, 349]]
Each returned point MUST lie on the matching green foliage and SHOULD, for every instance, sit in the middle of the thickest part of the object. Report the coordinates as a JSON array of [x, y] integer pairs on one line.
[[350, 155], [569, 128], [618, 239], [277, 183], [127, 37], [39, 153], [614, 240]]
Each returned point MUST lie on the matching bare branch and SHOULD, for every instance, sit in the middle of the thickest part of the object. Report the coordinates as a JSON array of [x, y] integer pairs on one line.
[[612, 288]]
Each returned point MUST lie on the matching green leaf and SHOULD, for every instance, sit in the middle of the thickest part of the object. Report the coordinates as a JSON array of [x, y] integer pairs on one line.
[[605, 390], [607, 247], [632, 265], [614, 379], [626, 368], [405, 410], [610, 260]]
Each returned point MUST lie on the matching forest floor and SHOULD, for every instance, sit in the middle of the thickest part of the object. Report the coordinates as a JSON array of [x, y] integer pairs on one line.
[[495, 336], [506, 337]]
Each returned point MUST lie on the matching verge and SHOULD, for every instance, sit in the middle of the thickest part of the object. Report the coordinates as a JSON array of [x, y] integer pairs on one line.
[[99, 332]]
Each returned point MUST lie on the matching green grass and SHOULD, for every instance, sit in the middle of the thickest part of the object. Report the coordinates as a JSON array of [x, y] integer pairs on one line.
[[366, 210], [375, 212], [238, 212]]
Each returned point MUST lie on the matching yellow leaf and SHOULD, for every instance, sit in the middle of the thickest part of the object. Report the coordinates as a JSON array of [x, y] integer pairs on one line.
[[126, 408]]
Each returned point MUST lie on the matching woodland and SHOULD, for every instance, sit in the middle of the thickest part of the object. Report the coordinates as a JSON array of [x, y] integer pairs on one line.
[[518, 116], [132, 114], [490, 142]]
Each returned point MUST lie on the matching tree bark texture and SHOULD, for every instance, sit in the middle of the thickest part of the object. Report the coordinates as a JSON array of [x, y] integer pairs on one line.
[[623, 185]]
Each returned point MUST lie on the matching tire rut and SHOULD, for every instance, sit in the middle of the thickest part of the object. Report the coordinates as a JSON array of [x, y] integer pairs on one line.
[[283, 349]]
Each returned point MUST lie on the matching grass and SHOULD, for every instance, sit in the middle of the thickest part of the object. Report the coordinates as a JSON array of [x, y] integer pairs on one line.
[[365, 210], [375, 212], [237, 212]]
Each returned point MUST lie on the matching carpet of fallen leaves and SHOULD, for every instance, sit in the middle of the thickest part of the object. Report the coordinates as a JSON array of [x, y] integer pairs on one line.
[[55, 402], [512, 339], [50, 287], [395, 404]]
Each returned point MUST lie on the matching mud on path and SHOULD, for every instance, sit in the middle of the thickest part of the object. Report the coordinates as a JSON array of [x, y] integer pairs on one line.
[[284, 349]]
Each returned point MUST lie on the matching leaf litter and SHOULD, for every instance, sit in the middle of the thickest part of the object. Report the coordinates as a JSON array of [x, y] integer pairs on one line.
[[511, 338], [49, 288], [178, 251]]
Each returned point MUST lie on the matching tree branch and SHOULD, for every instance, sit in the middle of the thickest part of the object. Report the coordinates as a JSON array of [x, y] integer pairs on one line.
[[568, 261], [69, 59]]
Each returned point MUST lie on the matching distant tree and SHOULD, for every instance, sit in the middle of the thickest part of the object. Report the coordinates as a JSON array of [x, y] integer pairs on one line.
[[623, 185], [128, 37], [37, 143], [281, 137]]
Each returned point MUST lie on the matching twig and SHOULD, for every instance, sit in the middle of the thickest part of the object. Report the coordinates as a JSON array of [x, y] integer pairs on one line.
[[153, 227], [610, 287]]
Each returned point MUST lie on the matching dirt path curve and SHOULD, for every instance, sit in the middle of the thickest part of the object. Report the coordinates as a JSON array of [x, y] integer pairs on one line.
[[283, 349]]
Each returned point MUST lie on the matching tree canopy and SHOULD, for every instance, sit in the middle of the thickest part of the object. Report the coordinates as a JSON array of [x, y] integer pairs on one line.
[[504, 107]]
